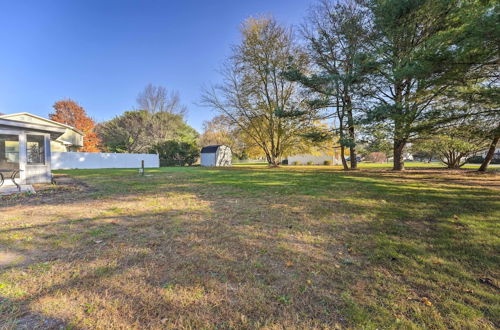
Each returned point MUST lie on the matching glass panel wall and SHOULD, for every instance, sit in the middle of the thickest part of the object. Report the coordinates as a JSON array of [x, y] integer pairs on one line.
[[9, 152], [36, 149]]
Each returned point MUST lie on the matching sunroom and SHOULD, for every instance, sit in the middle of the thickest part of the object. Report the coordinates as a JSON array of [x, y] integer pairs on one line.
[[25, 151]]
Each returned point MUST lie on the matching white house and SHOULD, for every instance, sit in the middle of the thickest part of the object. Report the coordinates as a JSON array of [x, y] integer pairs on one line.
[[31, 146], [216, 155], [70, 140], [25, 149]]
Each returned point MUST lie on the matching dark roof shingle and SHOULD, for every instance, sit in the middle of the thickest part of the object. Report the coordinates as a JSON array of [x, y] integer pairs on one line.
[[210, 149]]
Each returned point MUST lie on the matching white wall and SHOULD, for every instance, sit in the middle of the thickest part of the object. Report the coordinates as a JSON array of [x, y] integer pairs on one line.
[[224, 156], [207, 159], [315, 159], [83, 160]]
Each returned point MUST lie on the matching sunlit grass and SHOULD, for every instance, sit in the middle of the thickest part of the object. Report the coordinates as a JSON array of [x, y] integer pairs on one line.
[[368, 165], [253, 247]]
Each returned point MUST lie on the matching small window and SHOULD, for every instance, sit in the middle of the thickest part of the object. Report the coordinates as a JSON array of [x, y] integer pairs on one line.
[[36, 149], [9, 151]]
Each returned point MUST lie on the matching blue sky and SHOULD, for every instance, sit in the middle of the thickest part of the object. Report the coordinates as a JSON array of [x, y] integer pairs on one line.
[[103, 53]]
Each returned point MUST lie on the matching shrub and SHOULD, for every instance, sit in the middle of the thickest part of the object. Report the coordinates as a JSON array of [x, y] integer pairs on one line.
[[327, 162], [295, 163], [284, 162], [309, 163], [475, 160], [173, 153], [480, 159]]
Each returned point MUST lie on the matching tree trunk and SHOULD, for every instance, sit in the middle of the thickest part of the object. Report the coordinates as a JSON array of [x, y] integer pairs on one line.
[[352, 135], [268, 158], [454, 160], [353, 160], [274, 163], [342, 157], [490, 154], [398, 162], [274, 160], [399, 135]]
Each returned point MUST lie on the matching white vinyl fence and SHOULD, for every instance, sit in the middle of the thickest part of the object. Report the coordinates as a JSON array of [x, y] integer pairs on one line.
[[89, 160]]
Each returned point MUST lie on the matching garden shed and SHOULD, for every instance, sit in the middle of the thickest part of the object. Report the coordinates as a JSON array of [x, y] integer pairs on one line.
[[216, 155]]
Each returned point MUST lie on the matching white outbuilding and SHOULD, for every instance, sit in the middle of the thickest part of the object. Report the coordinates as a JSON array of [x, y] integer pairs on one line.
[[216, 155]]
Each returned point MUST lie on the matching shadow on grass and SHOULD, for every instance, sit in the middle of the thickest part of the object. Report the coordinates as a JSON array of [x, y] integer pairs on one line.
[[304, 249], [15, 316]]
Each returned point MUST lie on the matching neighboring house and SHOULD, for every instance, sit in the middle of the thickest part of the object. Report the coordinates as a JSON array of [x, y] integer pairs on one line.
[[318, 158], [71, 140], [304, 159], [406, 157], [496, 155], [216, 155], [26, 147]]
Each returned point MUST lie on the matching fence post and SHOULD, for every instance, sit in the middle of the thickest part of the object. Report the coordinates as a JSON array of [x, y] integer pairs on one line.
[[142, 167]]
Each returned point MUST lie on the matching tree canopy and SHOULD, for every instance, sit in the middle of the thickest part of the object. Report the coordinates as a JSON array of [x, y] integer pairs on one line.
[[411, 67], [158, 99], [254, 90], [138, 131], [70, 113]]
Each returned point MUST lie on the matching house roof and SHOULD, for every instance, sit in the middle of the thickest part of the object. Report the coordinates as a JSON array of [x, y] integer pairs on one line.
[[210, 149], [53, 122], [55, 132]]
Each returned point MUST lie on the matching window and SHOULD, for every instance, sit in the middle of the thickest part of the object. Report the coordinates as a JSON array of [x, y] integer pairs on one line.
[[9, 151], [36, 149]]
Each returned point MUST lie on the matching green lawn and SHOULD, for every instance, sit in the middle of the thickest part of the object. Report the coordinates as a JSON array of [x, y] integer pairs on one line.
[[252, 247], [368, 165]]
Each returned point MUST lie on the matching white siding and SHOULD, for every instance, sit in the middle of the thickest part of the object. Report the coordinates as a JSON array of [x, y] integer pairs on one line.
[[90, 160], [40, 173], [224, 156], [207, 159], [70, 136]]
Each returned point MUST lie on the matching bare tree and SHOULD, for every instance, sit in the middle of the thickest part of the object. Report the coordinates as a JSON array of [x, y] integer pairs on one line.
[[156, 99], [254, 91]]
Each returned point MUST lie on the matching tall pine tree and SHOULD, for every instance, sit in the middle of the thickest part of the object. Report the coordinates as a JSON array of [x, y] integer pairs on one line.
[[419, 61], [337, 37]]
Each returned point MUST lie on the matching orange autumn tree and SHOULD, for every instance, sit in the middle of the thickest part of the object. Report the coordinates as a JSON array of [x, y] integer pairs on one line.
[[70, 113]]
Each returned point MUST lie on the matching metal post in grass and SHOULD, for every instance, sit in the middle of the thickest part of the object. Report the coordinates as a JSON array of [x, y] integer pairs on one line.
[[142, 168]]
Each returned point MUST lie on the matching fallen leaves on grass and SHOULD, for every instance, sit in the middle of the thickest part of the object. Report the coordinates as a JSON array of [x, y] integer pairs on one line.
[[426, 301]]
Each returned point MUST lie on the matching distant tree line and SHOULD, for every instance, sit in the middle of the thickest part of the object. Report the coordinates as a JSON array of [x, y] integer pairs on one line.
[[376, 78], [157, 125], [392, 74]]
